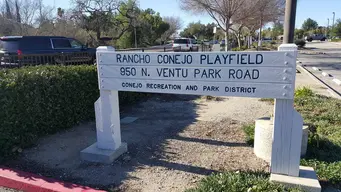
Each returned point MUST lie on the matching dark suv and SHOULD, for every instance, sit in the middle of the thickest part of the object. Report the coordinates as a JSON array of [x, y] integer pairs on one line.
[[35, 50]]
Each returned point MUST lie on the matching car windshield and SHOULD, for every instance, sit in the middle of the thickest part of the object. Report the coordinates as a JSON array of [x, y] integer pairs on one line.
[[180, 41], [9, 45]]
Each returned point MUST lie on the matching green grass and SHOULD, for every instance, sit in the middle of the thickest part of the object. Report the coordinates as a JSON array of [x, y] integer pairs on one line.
[[240, 182], [323, 115], [336, 40], [250, 133]]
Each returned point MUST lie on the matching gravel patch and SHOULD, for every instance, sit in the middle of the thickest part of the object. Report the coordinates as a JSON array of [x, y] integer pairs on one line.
[[2, 189], [175, 141]]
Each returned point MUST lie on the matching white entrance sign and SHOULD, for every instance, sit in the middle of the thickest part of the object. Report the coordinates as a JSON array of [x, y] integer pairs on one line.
[[269, 74], [242, 74]]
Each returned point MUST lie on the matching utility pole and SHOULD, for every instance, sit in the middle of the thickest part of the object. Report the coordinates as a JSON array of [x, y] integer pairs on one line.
[[289, 23]]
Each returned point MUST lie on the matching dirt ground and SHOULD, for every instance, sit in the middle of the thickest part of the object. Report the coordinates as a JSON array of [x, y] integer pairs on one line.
[[8, 190], [175, 141]]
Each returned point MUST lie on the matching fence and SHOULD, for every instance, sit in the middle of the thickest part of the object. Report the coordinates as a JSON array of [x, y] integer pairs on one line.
[[195, 48], [76, 58]]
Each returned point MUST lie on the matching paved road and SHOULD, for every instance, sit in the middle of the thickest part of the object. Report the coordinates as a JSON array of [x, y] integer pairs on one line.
[[325, 56]]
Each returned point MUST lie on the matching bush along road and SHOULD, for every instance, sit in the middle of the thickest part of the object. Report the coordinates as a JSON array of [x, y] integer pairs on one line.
[[43, 100]]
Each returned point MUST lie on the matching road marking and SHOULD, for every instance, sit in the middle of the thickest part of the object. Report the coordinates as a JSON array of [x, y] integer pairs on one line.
[[325, 74], [316, 69], [338, 82]]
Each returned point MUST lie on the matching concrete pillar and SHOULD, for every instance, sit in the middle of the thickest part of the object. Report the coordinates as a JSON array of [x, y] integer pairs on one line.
[[263, 138]]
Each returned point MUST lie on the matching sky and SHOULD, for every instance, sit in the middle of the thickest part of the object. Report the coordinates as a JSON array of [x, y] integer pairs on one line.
[[319, 10]]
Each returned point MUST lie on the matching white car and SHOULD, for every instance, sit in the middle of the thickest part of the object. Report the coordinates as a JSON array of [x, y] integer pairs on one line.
[[183, 44]]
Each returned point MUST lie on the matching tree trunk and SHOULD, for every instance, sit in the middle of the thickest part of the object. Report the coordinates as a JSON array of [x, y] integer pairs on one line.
[[237, 34], [260, 34], [98, 34], [227, 25], [239, 42], [250, 42]]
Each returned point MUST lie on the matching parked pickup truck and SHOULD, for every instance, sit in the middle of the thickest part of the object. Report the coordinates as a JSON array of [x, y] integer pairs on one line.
[[319, 37]]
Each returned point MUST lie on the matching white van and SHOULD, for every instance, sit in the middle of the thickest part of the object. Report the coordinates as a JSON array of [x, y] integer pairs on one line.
[[183, 44]]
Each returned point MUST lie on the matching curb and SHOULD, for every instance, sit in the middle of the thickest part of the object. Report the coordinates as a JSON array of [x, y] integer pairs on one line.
[[337, 81], [325, 74], [330, 89], [29, 182]]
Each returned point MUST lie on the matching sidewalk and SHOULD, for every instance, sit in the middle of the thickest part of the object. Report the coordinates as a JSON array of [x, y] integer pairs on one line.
[[304, 79]]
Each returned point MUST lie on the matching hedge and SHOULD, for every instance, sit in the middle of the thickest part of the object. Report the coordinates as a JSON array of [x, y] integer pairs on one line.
[[300, 43], [37, 101]]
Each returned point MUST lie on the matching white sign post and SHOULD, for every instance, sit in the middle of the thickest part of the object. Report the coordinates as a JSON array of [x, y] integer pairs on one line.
[[269, 74]]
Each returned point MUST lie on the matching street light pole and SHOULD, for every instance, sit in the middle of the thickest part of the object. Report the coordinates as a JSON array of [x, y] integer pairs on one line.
[[289, 23], [333, 19], [327, 28], [328, 23]]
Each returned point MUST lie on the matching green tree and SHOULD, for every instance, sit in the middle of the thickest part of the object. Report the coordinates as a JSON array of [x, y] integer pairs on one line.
[[148, 25], [151, 26], [193, 29], [299, 33], [309, 24], [336, 31], [277, 30], [100, 16], [201, 31]]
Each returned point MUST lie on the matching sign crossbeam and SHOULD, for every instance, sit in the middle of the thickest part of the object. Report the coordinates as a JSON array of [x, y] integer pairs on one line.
[[246, 74]]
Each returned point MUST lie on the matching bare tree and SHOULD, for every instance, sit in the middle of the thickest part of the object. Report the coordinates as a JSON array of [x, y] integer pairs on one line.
[[224, 12], [235, 12], [44, 19], [17, 12], [28, 11], [267, 11], [9, 14], [175, 24]]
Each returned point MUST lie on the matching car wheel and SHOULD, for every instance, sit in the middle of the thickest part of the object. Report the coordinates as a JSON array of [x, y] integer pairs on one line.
[[190, 49], [93, 61], [324, 39]]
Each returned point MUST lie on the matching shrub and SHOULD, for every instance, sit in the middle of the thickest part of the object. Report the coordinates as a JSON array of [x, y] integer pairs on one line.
[[249, 130], [335, 40], [304, 92], [242, 48], [37, 101], [300, 43], [240, 182]]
